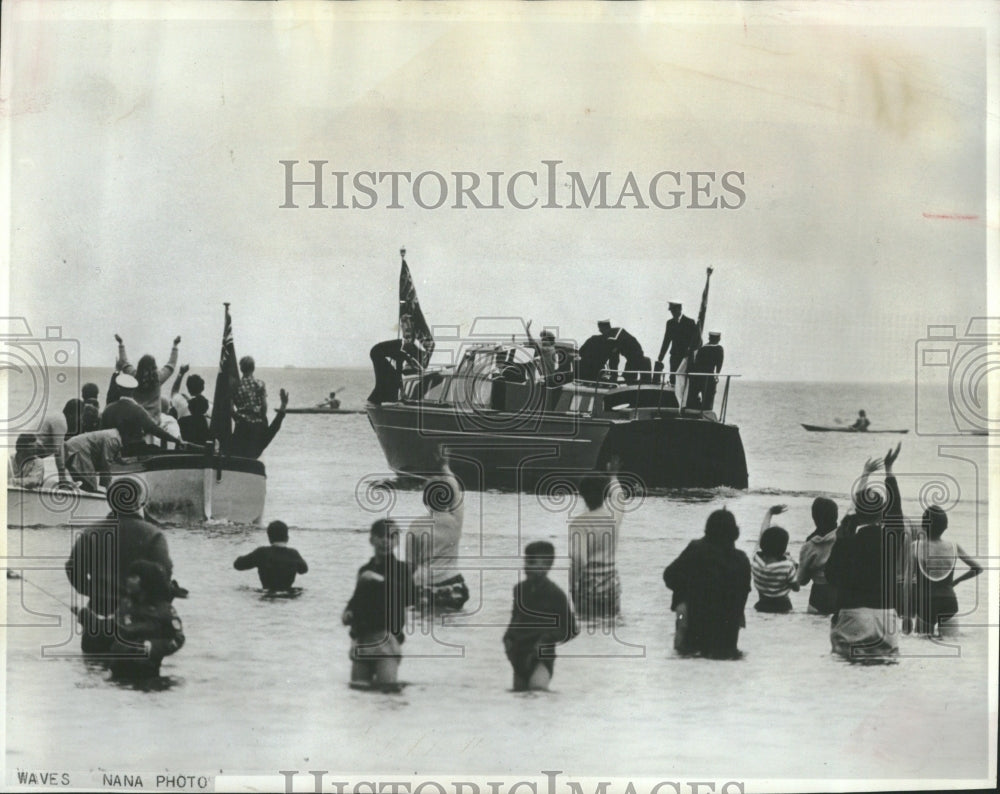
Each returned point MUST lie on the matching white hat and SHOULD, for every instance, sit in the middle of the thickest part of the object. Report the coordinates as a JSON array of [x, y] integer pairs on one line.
[[674, 302], [126, 381]]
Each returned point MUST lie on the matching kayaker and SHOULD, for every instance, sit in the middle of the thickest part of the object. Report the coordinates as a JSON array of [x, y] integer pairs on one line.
[[861, 423]]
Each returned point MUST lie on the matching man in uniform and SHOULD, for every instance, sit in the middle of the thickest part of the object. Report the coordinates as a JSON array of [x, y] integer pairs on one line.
[[681, 336]]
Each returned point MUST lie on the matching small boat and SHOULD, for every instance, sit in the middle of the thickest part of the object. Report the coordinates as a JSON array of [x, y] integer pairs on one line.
[[179, 487], [828, 429], [321, 410]]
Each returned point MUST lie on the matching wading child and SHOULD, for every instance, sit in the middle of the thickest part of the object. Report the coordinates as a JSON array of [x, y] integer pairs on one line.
[[276, 564], [146, 626], [376, 612], [814, 554], [774, 571], [541, 618]]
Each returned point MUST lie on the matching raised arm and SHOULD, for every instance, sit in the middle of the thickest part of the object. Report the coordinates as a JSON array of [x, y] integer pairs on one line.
[[168, 369], [772, 511], [894, 509], [122, 363], [180, 377]]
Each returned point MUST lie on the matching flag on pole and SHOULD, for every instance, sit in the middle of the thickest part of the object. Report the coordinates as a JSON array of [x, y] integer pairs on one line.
[[704, 305], [226, 383], [410, 315]]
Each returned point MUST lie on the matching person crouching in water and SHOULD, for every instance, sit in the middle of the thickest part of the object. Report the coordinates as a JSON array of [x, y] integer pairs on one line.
[[376, 612], [710, 582], [774, 571], [541, 619], [814, 554], [276, 564], [146, 626]]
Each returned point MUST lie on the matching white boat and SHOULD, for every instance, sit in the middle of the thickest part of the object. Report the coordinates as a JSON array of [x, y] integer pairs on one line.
[[178, 487]]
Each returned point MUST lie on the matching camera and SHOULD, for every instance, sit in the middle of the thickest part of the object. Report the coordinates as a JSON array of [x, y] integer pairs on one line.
[[33, 368]]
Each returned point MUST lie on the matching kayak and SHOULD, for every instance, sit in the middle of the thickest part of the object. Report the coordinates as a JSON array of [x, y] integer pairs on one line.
[[321, 411], [827, 429]]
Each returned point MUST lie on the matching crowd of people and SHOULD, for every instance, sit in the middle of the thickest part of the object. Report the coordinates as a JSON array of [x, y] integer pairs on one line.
[[598, 359], [88, 442]]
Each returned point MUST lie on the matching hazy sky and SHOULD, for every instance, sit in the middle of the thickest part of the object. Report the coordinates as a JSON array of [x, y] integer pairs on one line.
[[145, 181]]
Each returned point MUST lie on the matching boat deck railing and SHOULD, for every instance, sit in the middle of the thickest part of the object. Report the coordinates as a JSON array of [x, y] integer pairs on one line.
[[646, 381]]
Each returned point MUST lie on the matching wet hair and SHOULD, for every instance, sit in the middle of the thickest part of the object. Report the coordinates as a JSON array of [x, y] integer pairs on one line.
[[592, 489], [774, 542], [247, 365], [547, 335], [198, 405], [721, 528], [196, 384], [90, 391], [935, 522], [385, 529], [25, 441], [869, 505], [277, 532], [146, 372], [824, 513], [540, 554], [154, 581]]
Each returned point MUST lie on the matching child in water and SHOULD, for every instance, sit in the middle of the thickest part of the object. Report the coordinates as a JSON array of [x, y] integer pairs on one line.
[[146, 626], [814, 554], [276, 564], [541, 618], [376, 612], [774, 571]]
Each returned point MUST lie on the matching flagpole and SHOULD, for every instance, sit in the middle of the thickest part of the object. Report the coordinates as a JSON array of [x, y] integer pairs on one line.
[[399, 312], [704, 303]]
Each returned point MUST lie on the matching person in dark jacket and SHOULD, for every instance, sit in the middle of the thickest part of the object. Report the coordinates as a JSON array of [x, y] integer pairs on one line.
[[624, 345], [710, 581], [593, 357], [864, 565], [104, 552], [389, 359], [376, 612], [707, 359], [277, 564], [540, 619], [681, 336]]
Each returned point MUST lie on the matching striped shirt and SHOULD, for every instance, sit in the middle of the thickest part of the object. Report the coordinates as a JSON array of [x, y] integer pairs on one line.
[[773, 579]]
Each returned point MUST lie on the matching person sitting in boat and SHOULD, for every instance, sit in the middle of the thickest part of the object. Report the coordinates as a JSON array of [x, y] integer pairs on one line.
[[623, 344], [90, 417], [681, 336], [25, 468], [390, 359], [276, 564], [194, 426], [707, 359], [103, 553], [861, 423], [149, 376], [131, 420], [593, 544], [592, 359], [52, 435], [432, 542], [330, 402], [89, 457], [179, 401]]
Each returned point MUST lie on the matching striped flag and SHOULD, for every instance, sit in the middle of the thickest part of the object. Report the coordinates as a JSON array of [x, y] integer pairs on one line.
[[704, 305], [410, 314], [226, 383]]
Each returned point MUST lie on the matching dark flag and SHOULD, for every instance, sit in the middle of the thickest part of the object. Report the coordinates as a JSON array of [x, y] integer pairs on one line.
[[410, 315], [704, 305], [226, 383]]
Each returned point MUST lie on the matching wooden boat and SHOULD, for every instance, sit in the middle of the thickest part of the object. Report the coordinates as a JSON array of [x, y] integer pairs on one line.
[[179, 487], [318, 410], [828, 429]]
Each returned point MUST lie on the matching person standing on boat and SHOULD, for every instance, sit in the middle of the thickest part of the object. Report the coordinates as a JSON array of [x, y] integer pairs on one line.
[[432, 544], [637, 363], [593, 544], [150, 378], [196, 388], [707, 359], [131, 421], [593, 358], [52, 439], [681, 336], [861, 423], [249, 413], [389, 358]]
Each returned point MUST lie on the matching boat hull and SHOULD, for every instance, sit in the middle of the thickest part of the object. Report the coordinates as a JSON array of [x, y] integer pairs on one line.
[[827, 429], [179, 487], [531, 451]]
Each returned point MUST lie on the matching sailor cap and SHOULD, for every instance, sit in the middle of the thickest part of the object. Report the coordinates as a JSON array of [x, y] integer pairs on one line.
[[126, 381]]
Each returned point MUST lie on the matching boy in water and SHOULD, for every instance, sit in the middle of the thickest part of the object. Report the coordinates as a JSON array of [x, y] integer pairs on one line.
[[146, 626], [541, 618], [276, 564], [376, 612], [774, 571]]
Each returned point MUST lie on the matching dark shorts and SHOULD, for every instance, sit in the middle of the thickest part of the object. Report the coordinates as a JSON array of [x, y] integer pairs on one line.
[[774, 605]]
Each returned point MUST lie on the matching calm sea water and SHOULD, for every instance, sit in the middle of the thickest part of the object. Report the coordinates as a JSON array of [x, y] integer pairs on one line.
[[262, 683]]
